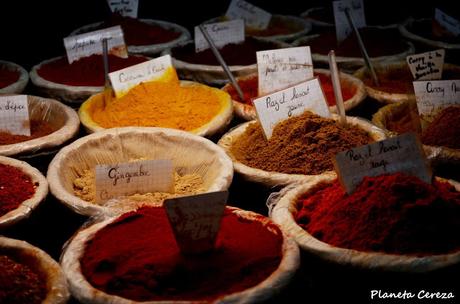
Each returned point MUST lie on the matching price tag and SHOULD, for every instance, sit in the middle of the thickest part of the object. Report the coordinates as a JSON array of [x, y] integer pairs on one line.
[[254, 16], [342, 27], [14, 115], [155, 69], [86, 44], [196, 219], [435, 95], [403, 153], [133, 177], [447, 22], [293, 101], [222, 33], [127, 8], [279, 69], [426, 66]]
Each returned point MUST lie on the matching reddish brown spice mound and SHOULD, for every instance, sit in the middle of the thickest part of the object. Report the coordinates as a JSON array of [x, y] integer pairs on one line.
[[444, 130], [19, 284], [7, 77], [38, 128], [277, 26], [137, 257], [304, 144], [15, 187], [394, 213], [87, 71], [249, 87]]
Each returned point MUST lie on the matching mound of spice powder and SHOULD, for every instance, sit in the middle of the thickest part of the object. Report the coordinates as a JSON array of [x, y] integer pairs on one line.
[[276, 26], [444, 130], [249, 87], [397, 81], [19, 284], [7, 77], [392, 213], [304, 144], [38, 128], [233, 54], [87, 71], [136, 257], [15, 187]]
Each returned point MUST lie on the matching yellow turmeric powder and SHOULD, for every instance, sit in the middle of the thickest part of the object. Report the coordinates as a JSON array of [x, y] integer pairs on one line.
[[161, 104]]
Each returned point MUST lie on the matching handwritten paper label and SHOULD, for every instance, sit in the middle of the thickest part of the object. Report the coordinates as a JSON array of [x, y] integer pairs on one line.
[[342, 27], [403, 153], [222, 33], [254, 16], [14, 115], [127, 78], [127, 8], [195, 220], [133, 177], [426, 66], [447, 22], [293, 101], [86, 44], [279, 69]]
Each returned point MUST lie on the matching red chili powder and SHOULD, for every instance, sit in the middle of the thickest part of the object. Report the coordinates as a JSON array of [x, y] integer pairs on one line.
[[137, 257], [444, 130], [393, 213], [277, 26], [396, 81], [87, 71], [7, 77], [15, 187], [137, 32], [19, 284], [38, 128], [233, 54], [249, 87]]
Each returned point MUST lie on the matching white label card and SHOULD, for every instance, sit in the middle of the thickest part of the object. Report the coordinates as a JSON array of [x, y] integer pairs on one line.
[[195, 220], [426, 66], [127, 8], [436, 94], [134, 177], [293, 101], [447, 22], [403, 153], [222, 33], [87, 44], [14, 115], [254, 16], [342, 27], [279, 69], [127, 78]]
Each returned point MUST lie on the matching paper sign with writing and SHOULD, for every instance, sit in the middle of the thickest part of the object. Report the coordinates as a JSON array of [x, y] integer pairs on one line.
[[447, 22], [14, 115], [127, 8], [432, 95], [195, 220], [86, 44], [342, 27], [426, 66], [279, 69], [289, 102], [222, 33], [127, 78], [134, 177], [254, 16], [403, 153]]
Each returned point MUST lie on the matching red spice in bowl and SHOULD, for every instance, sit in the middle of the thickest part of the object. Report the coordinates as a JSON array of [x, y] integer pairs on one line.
[[38, 128], [87, 71], [444, 130], [393, 213], [8, 77], [136, 257], [15, 188]]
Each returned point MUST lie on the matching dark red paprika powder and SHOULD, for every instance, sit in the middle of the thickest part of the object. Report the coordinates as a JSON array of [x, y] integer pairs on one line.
[[392, 213], [87, 71], [7, 77], [136, 257], [15, 187], [19, 284], [444, 130], [38, 128]]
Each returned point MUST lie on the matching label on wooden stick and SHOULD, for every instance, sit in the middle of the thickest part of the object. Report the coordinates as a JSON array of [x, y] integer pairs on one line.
[[426, 66], [254, 16], [14, 115], [221, 33]]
